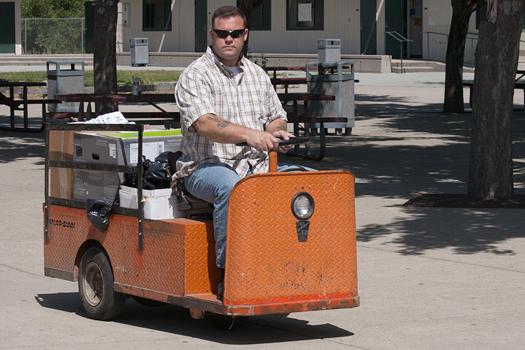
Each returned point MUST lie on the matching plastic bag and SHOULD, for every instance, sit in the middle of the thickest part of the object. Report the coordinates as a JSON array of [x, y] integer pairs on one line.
[[157, 174], [98, 213]]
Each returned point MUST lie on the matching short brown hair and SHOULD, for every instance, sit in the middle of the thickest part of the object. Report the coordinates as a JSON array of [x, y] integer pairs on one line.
[[226, 12]]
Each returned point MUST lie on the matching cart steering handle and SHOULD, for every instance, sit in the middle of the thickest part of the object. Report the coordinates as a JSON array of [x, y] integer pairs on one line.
[[273, 154]]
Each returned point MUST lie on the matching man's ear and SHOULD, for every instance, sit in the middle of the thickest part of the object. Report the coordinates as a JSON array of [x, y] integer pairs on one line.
[[245, 35]]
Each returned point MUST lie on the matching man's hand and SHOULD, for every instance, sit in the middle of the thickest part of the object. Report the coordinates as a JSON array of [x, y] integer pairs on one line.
[[283, 135], [262, 140]]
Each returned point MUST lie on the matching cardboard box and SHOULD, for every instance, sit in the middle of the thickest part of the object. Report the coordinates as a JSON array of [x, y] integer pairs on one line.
[[158, 204], [116, 148], [61, 179]]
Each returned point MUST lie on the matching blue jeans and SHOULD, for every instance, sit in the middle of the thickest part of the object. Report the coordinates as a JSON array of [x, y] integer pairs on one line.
[[213, 183]]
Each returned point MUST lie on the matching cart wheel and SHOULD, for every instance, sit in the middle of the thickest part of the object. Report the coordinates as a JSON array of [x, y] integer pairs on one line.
[[95, 284], [225, 322]]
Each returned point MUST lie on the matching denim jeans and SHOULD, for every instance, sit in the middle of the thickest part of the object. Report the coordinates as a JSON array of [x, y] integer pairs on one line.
[[213, 183]]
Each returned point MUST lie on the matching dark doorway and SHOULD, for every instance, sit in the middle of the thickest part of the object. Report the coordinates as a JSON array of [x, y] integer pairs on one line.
[[89, 16], [395, 21], [7, 27], [368, 27], [201, 22]]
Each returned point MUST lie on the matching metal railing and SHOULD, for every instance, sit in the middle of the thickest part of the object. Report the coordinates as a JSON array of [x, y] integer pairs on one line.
[[437, 47], [402, 41], [53, 35]]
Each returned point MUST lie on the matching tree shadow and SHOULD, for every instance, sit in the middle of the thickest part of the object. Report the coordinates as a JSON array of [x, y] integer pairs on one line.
[[176, 320], [21, 145]]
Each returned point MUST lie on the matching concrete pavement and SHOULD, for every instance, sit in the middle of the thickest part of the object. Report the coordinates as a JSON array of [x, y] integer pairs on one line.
[[429, 278]]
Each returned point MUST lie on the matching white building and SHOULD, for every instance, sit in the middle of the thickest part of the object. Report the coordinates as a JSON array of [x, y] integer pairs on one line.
[[293, 26]]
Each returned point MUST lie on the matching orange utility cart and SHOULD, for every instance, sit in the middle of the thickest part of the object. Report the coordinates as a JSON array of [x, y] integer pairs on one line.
[[291, 245]]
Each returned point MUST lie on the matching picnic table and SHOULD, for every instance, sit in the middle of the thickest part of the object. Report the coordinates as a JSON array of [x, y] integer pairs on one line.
[[302, 123], [21, 104], [168, 118], [519, 84]]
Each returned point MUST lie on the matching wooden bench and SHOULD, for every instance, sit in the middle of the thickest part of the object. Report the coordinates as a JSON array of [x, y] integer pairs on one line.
[[518, 85]]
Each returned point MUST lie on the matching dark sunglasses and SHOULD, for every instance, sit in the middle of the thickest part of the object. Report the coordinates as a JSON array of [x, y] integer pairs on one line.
[[223, 34]]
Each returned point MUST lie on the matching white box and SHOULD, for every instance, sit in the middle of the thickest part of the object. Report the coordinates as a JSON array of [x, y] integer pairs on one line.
[[158, 204]]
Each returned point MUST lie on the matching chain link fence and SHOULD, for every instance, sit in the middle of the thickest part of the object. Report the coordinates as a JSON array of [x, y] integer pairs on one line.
[[53, 35]]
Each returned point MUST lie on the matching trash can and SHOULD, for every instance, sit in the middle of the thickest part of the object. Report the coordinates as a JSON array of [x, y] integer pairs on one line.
[[64, 77], [329, 50], [337, 79], [139, 51]]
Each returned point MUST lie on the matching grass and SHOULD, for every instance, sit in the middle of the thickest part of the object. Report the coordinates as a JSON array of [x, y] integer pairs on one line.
[[124, 77]]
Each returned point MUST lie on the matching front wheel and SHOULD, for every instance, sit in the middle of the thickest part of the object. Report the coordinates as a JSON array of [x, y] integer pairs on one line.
[[95, 284]]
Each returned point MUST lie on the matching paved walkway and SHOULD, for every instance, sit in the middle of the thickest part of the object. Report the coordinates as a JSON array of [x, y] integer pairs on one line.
[[430, 278]]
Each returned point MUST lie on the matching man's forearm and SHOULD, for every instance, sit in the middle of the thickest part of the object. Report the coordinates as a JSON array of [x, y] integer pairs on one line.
[[276, 125], [219, 130]]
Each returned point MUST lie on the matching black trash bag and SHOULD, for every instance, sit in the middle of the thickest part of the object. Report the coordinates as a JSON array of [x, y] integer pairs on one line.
[[157, 174], [98, 213]]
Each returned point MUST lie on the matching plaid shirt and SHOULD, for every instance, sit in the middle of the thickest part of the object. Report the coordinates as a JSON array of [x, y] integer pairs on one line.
[[205, 87]]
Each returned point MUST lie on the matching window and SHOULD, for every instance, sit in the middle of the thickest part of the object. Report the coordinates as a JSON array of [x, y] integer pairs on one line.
[[156, 15], [261, 16], [305, 15]]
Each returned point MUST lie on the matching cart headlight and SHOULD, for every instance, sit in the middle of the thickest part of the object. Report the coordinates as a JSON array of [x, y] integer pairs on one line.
[[303, 206]]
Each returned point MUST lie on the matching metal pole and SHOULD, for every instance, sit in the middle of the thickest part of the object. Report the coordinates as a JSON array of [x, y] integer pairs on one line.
[[401, 50], [25, 35], [82, 35]]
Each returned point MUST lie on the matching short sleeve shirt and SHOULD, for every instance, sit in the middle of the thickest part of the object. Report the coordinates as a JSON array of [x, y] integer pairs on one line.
[[248, 99]]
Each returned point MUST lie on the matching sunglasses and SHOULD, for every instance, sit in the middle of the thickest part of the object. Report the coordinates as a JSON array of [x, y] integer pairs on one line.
[[223, 34]]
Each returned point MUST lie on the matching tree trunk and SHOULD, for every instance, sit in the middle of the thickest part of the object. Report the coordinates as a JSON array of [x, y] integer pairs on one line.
[[461, 12], [104, 51], [490, 171]]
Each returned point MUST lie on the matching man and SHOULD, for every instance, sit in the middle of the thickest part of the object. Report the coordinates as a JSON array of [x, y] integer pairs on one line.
[[226, 100]]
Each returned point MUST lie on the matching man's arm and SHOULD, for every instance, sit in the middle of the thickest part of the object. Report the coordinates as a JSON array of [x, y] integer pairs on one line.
[[279, 128], [219, 130]]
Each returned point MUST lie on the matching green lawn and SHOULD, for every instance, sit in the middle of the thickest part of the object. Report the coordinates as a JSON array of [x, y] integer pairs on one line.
[[124, 77]]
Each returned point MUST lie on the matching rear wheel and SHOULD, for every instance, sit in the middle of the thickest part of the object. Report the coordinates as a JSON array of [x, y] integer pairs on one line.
[[95, 284]]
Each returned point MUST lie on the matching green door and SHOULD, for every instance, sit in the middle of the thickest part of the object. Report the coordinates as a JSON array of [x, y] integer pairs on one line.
[[368, 27], [89, 18], [201, 19], [395, 20], [7, 27]]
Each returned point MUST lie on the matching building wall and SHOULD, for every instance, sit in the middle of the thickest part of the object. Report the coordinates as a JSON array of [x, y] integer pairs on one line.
[[341, 20], [181, 36]]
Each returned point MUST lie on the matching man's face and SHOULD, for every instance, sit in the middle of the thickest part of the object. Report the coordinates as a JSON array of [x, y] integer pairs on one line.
[[228, 48]]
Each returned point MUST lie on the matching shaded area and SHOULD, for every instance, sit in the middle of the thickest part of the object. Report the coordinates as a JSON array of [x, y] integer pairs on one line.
[[176, 320], [462, 201], [21, 145], [466, 231]]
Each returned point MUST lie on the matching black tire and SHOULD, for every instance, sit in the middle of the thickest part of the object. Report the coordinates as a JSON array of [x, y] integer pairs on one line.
[[95, 285], [348, 131]]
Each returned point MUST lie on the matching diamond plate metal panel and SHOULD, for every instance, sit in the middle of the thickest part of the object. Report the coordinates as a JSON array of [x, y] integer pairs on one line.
[[265, 261], [178, 255]]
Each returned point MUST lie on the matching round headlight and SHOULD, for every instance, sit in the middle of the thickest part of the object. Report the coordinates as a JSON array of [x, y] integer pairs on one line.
[[303, 206]]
